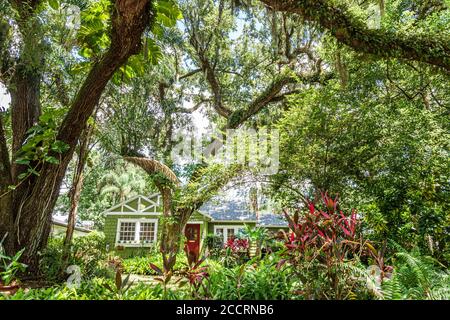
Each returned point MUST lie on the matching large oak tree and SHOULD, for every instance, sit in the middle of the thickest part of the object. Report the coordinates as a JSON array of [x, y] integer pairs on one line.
[[26, 208], [338, 19]]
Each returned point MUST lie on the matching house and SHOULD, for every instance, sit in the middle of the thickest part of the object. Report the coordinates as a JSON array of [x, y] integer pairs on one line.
[[133, 224]]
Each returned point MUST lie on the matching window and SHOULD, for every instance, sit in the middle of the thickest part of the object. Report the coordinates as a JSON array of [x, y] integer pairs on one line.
[[147, 232], [227, 232], [230, 234], [127, 231], [136, 232], [219, 232]]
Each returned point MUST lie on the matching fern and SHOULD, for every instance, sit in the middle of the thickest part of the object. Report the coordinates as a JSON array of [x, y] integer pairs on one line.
[[393, 290], [416, 277]]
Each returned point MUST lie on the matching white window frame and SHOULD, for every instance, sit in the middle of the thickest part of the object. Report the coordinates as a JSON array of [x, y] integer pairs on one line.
[[225, 230], [137, 232]]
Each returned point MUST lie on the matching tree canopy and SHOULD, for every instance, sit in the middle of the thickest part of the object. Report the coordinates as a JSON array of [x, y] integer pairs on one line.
[[358, 91]]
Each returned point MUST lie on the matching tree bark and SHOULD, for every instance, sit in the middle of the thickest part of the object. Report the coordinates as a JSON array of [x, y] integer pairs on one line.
[[33, 205], [170, 230], [6, 221], [75, 191], [25, 104], [24, 88]]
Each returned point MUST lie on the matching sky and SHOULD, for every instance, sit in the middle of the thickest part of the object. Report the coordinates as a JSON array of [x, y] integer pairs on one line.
[[200, 121], [4, 97]]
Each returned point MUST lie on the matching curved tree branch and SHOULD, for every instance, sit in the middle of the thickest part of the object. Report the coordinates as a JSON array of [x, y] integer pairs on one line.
[[346, 28], [272, 94], [152, 166]]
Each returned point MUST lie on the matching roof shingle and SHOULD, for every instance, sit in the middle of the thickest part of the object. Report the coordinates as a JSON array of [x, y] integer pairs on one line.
[[239, 211]]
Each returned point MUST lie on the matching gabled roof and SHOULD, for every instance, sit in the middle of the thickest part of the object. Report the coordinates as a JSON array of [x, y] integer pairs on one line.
[[64, 224], [239, 211], [217, 210], [228, 211], [272, 220], [138, 205]]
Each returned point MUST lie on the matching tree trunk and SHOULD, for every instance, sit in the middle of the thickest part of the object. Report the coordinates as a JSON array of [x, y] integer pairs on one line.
[[168, 245], [172, 227], [25, 112], [24, 88], [6, 220], [25, 104], [75, 192], [171, 236], [31, 205], [74, 201]]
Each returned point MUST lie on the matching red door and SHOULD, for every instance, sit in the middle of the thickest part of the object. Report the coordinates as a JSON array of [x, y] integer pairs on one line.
[[192, 248]]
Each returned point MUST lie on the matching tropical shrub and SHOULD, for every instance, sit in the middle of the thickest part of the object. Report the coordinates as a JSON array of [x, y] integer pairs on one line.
[[141, 265], [96, 289], [323, 251], [416, 277], [10, 266], [258, 236], [197, 276], [88, 252], [250, 281], [237, 245], [234, 252], [213, 244]]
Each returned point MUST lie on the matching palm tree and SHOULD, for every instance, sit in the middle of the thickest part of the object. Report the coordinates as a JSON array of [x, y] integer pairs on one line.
[[121, 185]]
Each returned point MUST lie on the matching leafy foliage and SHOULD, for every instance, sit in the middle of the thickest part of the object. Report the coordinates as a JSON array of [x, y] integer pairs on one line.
[[141, 265], [41, 144], [10, 266], [88, 252], [323, 250], [378, 147], [417, 277], [250, 281], [96, 289]]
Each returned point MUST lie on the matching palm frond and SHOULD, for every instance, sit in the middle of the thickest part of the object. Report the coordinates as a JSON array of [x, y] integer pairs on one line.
[[152, 166]]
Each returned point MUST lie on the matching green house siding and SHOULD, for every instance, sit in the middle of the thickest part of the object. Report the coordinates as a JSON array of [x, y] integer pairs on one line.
[[148, 208], [110, 230], [112, 219]]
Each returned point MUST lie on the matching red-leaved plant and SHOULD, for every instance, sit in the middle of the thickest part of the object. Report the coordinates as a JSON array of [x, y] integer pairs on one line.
[[319, 242], [197, 277], [237, 245]]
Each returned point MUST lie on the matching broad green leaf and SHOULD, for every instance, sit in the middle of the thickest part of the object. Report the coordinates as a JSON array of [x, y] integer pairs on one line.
[[23, 175], [32, 171], [60, 147], [51, 159], [54, 4], [23, 161], [154, 51]]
